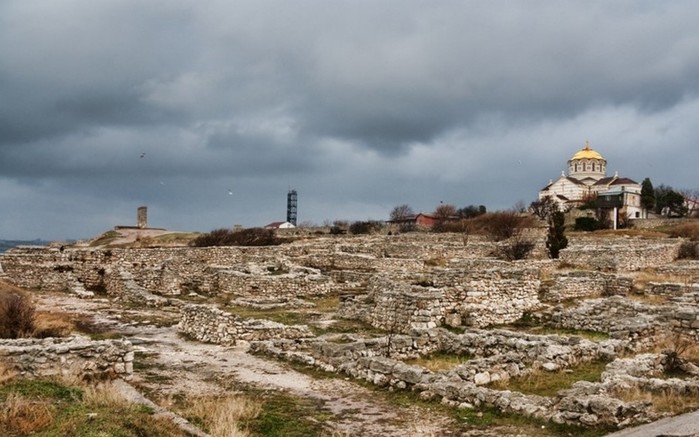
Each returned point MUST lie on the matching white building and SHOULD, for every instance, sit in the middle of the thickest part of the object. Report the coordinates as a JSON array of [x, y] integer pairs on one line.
[[587, 180]]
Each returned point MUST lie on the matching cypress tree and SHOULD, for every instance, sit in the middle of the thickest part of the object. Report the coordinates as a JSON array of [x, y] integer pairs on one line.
[[556, 239], [647, 195]]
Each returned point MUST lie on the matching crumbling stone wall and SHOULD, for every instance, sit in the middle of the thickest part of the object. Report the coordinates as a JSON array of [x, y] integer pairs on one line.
[[475, 292], [489, 356], [669, 289], [77, 355], [686, 271], [396, 307], [653, 223], [576, 284], [641, 325], [211, 325], [620, 254]]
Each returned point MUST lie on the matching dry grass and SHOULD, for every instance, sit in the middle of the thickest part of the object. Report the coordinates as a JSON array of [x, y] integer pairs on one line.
[[642, 233], [223, 416], [436, 261], [439, 362], [102, 394], [663, 402], [641, 279], [326, 304], [542, 383], [648, 299], [685, 230], [7, 288], [50, 324], [105, 239], [6, 373], [23, 416], [685, 348], [25, 321]]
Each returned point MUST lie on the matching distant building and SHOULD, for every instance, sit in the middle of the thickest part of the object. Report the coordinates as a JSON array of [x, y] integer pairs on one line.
[[420, 219], [292, 207], [280, 225], [587, 180]]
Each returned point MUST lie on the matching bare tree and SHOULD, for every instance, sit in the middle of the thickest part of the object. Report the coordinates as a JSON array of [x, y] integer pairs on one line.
[[691, 200], [519, 206], [544, 208], [445, 211], [401, 212]]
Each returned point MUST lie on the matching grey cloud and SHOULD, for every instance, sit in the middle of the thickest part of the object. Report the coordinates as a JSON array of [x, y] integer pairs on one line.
[[356, 103]]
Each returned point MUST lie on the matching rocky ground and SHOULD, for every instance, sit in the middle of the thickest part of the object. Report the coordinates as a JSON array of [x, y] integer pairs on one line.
[[178, 367]]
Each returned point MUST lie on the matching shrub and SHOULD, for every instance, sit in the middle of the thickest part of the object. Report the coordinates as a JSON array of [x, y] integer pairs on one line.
[[16, 317], [499, 225], [407, 227], [504, 224], [556, 239], [366, 227], [454, 226], [686, 230], [587, 224], [516, 249], [688, 250], [244, 237]]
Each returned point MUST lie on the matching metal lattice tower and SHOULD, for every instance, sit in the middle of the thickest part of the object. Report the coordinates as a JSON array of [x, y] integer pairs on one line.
[[291, 202]]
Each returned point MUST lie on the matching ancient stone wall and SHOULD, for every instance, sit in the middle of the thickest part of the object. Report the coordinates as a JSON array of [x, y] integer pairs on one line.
[[619, 253], [211, 325], [489, 356], [487, 292], [77, 355], [653, 223], [576, 284], [685, 271]]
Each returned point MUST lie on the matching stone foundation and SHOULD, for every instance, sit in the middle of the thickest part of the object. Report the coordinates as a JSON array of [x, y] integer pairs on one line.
[[210, 325], [489, 356], [77, 356]]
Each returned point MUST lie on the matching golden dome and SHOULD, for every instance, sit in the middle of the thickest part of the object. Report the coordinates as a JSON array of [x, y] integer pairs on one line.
[[587, 153]]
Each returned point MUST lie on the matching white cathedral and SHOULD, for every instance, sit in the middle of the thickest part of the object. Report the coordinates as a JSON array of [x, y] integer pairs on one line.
[[587, 179]]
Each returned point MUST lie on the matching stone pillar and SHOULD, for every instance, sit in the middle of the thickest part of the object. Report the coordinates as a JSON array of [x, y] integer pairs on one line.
[[142, 217]]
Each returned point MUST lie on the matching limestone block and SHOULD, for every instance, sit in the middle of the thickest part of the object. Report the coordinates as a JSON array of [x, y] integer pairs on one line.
[[481, 378]]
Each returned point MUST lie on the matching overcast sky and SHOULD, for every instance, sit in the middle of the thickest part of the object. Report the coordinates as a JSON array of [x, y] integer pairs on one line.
[[358, 105]]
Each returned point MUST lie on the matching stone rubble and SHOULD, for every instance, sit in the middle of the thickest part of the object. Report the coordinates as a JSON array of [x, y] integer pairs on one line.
[[411, 286]]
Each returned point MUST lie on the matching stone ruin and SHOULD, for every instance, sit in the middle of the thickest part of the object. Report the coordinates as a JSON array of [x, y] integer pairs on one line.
[[412, 287]]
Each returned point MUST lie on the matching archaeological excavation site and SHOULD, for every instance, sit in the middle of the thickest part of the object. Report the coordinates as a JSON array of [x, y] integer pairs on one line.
[[386, 334]]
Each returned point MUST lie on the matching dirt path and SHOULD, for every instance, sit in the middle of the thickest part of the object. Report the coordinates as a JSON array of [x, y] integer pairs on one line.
[[193, 369]]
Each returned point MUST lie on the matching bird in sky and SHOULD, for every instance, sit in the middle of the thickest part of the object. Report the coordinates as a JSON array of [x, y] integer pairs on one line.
[[230, 192], [143, 154]]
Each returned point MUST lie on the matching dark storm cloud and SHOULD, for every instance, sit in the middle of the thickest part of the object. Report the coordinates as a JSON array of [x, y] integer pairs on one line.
[[359, 105]]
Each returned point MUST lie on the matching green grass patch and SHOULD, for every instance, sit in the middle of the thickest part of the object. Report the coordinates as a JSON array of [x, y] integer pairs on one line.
[[344, 326], [105, 238], [545, 383], [40, 389], [531, 326], [48, 408], [326, 304], [179, 238], [149, 369], [285, 415], [485, 418], [465, 420]]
